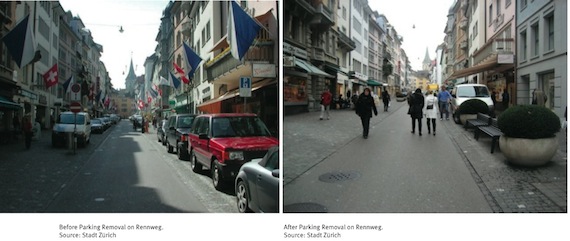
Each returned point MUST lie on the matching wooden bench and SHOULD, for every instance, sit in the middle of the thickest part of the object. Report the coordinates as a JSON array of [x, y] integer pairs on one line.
[[492, 131], [482, 120]]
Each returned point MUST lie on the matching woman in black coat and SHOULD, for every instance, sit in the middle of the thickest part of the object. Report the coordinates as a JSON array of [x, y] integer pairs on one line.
[[416, 110], [364, 107]]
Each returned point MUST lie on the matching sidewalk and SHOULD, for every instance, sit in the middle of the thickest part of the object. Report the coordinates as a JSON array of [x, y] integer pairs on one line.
[[507, 188]]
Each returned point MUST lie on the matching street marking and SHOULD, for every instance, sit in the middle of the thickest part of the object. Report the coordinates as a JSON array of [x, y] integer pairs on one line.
[[87, 173], [100, 199], [500, 189], [521, 206], [530, 193]]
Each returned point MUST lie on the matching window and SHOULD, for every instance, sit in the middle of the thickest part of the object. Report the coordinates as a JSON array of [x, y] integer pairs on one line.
[[207, 31], [344, 13], [43, 28], [358, 48], [549, 22], [523, 4], [357, 26], [272, 162], [498, 8], [523, 44], [546, 83], [357, 66], [490, 14], [475, 29], [535, 39], [507, 3]]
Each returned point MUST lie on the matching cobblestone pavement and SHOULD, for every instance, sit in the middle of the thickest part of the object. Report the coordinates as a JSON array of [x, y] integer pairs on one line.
[[30, 179], [507, 188]]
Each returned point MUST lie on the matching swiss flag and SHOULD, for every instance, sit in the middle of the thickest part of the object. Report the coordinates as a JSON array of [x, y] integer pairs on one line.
[[181, 72], [50, 77]]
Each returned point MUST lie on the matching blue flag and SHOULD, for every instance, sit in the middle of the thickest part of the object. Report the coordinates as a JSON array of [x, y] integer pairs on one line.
[[192, 60], [20, 42], [242, 30], [174, 82], [67, 85]]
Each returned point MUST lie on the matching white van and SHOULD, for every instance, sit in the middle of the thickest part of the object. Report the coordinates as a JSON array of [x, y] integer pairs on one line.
[[464, 92], [67, 123]]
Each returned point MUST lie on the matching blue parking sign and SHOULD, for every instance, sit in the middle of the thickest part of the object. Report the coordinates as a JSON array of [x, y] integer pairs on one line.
[[245, 86]]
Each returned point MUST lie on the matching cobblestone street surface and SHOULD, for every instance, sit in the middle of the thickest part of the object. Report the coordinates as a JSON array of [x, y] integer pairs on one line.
[[507, 188]]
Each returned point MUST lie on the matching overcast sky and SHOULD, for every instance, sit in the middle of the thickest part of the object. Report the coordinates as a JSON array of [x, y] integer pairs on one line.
[[140, 20], [429, 18]]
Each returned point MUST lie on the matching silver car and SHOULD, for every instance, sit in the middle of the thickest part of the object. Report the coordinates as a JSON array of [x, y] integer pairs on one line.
[[464, 92], [257, 184]]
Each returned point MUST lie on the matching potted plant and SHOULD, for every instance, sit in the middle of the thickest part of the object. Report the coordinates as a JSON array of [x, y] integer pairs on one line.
[[529, 134], [469, 109]]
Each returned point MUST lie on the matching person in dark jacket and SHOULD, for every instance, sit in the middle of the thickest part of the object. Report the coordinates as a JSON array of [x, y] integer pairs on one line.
[[386, 99], [27, 128], [416, 110], [364, 108]]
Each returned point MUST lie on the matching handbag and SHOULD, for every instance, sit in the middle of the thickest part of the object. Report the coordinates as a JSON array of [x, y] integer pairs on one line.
[[429, 107]]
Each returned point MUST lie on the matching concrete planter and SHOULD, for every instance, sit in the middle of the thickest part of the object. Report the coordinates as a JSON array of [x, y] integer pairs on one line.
[[528, 152], [464, 117]]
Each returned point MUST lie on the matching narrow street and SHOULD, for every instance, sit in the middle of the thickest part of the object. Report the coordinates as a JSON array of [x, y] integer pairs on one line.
[[329, 167], [119, 171]]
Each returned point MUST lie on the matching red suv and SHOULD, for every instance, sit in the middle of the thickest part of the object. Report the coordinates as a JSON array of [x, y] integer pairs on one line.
[[224, 142]]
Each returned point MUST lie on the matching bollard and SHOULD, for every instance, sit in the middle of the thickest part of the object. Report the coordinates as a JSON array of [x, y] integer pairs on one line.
[[69, 137]]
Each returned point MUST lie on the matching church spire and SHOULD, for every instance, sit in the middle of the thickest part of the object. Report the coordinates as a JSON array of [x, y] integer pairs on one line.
[[427, 61]]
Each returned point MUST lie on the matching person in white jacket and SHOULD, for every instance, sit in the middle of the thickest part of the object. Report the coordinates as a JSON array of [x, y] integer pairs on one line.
[[430, 111]]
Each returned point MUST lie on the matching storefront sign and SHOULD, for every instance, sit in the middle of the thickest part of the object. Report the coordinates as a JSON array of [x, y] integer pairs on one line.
[[292, 50], [43, 100], [264, 70], [505, 59], [29, 94]]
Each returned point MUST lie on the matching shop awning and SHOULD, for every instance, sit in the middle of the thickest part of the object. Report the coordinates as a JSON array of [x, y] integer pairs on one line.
[[488, 64], [215, 105], [372, 82], [9, 104], [311, 69]]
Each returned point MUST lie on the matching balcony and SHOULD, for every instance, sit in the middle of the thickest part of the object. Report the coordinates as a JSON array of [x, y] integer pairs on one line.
[[463, 44], [224, 62], [323, 16], [318, 54], [498, 21], [494, 47], [463, 24], [345, 42], [186, 26]]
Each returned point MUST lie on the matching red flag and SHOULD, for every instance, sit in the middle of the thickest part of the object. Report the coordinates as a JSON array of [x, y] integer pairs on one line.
[[50, 77], [181, 72], [159, 90]]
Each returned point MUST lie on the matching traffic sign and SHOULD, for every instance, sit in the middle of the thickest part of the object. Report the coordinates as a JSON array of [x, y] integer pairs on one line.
[[245, 87], [76, 92], [75, 107]]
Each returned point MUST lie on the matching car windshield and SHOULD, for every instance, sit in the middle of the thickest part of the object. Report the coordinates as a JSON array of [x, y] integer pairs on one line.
[[95, 121], [238, 127], [472, 91], [185, 121], [68, 119]]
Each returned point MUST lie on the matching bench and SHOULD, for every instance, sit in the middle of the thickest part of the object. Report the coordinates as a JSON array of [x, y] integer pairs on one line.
[[492, 131], [482, 120]]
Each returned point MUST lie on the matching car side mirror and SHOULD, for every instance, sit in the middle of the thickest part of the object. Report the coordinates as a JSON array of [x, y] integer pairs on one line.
[[275, 173], [203, 137]]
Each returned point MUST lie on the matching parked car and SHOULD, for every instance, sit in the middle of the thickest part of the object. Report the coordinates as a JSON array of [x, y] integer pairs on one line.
[[106, 121], [69, 122], [115, 118], [177, 134], [161, 130], [463, 92], [97, 126], [222, 143], [257, 184]]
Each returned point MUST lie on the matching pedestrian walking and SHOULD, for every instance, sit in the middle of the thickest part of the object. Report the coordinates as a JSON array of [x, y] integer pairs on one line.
[[27, 128], [430, 111], [506, 99], [364, 108], [326, 99], [386, 99], [416, 110], [444, 97]]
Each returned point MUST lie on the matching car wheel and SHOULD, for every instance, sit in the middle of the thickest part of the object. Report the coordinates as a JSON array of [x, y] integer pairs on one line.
[[196, 166], [170, 148], [456, 118], [179, 154], [242, 197], [217, 179]]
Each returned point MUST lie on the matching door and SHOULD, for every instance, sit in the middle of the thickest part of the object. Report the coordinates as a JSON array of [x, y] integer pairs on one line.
[[200, 145], [268, 185]]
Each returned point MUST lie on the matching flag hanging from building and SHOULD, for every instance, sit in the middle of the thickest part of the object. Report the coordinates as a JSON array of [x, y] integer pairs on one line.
[[50, 77], [192, 60], [153, 93], [163, 81], [98, 96], [67, 85], [181, 72], [158, 88], [173, 81], [20, 42], [242, 30]]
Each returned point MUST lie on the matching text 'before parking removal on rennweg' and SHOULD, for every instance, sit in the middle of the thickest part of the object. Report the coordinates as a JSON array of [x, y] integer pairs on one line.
[[102, 231], [303, 231]]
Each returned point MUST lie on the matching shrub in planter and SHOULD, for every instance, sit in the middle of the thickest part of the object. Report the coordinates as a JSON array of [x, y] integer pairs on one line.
[[529, 121], [472, 107]]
